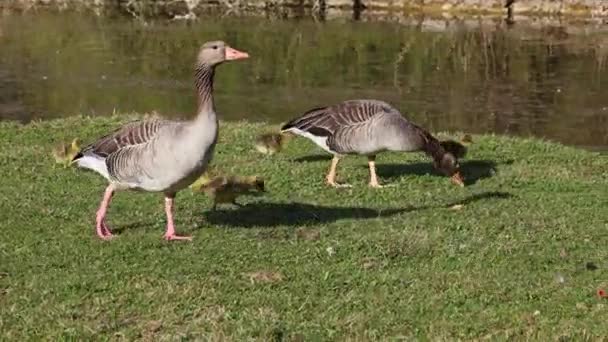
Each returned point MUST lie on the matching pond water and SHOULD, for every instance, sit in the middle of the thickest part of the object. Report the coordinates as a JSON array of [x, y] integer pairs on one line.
[[547, 83]]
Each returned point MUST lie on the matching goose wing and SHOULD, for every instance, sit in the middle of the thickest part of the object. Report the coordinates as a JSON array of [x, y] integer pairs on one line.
[[130, 134], [325, 121]]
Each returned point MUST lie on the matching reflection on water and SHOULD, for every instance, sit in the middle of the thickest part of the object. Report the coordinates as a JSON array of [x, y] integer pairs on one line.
[[549, 83]]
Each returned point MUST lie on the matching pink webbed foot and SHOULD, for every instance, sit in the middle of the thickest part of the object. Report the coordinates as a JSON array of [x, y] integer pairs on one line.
[[177, 237], [103, 231], [106, 231]]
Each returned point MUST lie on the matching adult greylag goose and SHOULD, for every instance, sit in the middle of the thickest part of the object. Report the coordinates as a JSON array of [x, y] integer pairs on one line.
[[160, 155], [367, 127]]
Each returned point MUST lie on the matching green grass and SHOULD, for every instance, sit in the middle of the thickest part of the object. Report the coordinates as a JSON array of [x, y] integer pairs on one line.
[[404, 263]]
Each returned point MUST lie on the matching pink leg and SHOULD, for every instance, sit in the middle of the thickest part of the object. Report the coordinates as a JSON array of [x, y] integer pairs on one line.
[[103, 231], [170, 233]]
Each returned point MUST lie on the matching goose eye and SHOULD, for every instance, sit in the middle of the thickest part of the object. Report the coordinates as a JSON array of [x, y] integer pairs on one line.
[[214, 47]]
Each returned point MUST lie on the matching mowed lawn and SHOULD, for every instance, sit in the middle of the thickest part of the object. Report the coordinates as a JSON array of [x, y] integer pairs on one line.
[[520, 252]]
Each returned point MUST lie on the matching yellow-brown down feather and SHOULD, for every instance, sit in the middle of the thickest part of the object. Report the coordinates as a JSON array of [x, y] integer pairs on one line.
[[226, 189], [63, 153], [271, 143]]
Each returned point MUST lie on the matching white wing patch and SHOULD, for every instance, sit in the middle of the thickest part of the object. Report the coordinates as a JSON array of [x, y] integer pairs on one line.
[[95, 163], [319, 141]]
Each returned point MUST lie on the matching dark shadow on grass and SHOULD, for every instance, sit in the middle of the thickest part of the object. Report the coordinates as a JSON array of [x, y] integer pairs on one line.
[[119, 229], [301, 214], [472, 170], [481, 196], [313, 158], [293, 214]]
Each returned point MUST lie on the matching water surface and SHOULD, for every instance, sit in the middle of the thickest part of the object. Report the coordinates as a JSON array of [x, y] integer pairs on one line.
[[550, 83]]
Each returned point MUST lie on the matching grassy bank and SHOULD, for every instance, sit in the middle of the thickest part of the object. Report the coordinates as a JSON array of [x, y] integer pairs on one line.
[[523, 257]]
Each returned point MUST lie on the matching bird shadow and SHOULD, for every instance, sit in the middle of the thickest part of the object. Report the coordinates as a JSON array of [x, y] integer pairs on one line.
[[472, 170], [268, 214], [477, 197], [313, 158], [117, 230]]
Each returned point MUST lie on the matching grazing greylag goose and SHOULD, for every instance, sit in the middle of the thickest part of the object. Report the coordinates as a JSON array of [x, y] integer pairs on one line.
[[159, 155], [368, 127]]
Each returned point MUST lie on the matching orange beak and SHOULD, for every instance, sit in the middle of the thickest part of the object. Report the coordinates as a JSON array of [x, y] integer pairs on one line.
[[457, 179], [232, 54]]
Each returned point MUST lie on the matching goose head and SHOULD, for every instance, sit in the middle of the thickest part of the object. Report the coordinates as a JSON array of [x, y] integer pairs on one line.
[[217, 52], [447, 160], [448, 164]]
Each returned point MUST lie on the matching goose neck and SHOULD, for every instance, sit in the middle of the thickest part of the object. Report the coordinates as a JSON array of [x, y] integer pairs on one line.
[[434, 150], [204, 89]]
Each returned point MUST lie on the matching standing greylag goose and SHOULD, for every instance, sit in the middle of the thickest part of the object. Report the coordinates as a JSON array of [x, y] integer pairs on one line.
[[368, 127], [161, 155]]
